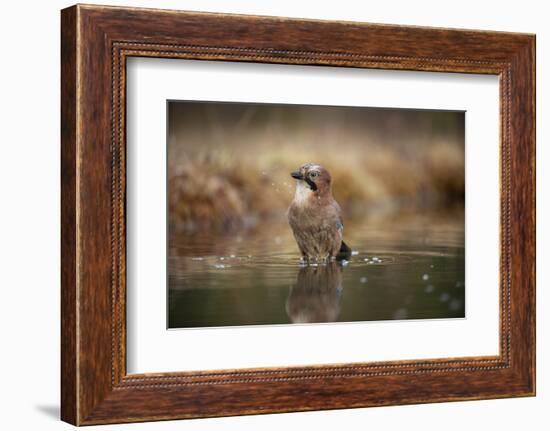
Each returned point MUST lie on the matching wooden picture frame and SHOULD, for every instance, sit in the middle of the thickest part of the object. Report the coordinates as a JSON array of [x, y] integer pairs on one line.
[[95, 43]]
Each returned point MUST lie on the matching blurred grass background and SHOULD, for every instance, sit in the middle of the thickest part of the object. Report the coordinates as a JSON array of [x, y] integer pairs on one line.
[[229, 164]]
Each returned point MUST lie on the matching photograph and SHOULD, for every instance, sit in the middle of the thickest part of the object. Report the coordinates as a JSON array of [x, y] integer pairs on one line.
[[304, 214], [281, 214]]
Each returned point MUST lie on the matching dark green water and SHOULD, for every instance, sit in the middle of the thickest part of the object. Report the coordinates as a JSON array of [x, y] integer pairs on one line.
[[401, 269]]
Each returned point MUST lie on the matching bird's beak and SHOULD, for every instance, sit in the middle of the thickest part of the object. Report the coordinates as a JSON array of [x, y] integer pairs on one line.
[[297, 175]]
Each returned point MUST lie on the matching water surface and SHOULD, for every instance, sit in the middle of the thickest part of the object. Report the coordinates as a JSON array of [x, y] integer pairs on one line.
[[410, 268]]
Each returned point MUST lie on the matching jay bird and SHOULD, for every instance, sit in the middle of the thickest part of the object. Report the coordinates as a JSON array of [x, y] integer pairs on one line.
[[315, 217]]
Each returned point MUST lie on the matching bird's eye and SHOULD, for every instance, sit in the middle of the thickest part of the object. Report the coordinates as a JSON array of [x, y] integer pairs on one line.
[[313, 174]]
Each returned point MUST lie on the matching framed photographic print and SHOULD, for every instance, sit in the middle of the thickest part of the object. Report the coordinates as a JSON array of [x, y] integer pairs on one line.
[[265, 214]]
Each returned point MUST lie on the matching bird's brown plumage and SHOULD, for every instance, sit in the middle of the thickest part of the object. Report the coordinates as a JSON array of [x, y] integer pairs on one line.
[[314, 215]]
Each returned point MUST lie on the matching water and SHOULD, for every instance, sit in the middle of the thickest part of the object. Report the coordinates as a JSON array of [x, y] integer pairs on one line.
[[400, 269]]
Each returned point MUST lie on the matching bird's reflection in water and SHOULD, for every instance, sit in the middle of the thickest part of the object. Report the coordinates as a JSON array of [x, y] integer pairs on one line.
[[316, 296]]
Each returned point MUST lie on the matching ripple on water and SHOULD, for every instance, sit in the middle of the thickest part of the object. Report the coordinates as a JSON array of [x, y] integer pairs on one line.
[[189, 266]]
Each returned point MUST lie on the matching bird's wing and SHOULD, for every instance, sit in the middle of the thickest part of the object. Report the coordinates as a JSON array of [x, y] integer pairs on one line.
[[338, 214]]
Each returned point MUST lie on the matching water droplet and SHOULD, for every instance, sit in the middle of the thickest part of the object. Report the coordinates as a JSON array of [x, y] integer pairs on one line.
[[400, 314], [344, 262], [429, 288], [354, 253], [197, 258], [454, 304], [459, 284], [363, 280], [232, 256], [222, 258], [425, 277], [431, 266], [444, 297], [219, 266]]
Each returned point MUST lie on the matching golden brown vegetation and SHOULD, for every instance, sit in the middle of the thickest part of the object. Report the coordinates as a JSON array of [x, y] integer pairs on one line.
[[223, 176]]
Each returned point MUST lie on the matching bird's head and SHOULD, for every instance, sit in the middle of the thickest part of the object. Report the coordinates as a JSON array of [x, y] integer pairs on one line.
[[314, 177]]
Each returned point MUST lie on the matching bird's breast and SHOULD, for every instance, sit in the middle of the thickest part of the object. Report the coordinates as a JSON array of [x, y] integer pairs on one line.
[[304, 217]]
